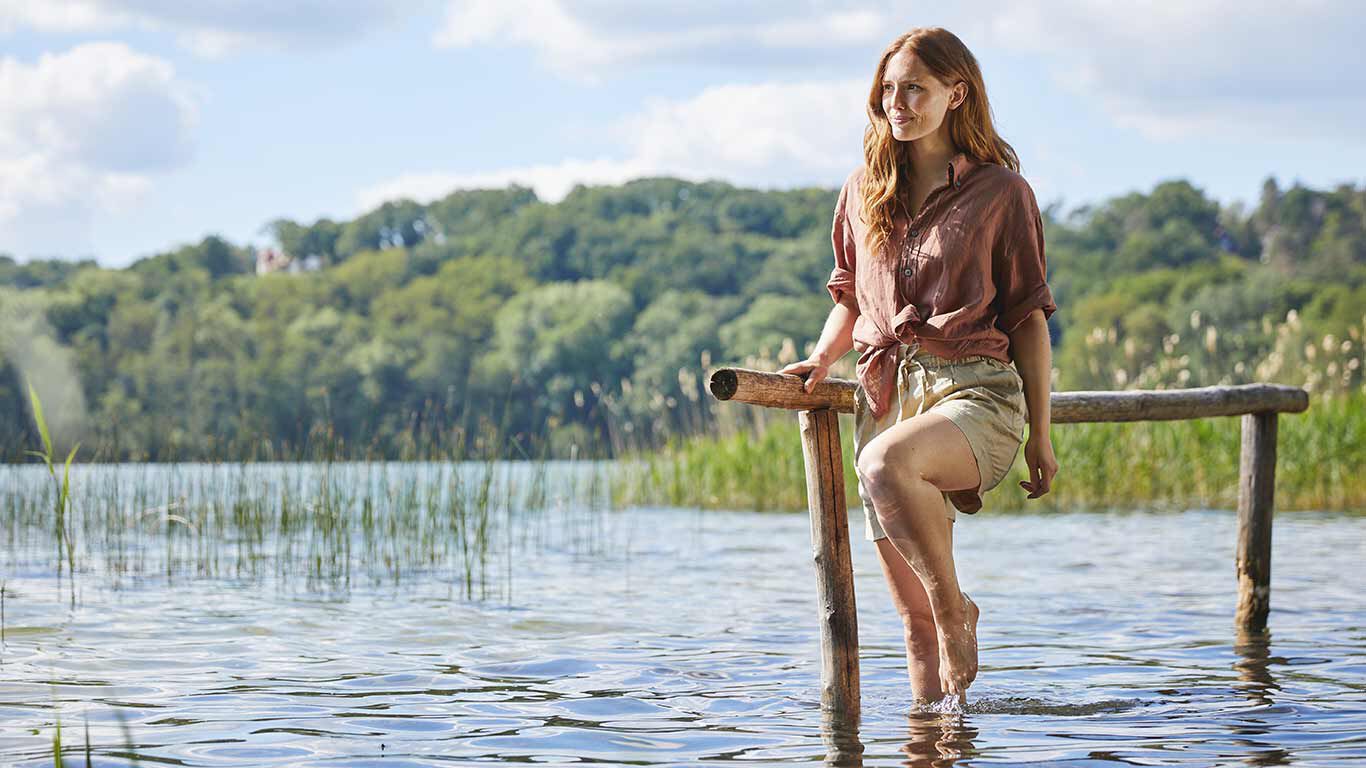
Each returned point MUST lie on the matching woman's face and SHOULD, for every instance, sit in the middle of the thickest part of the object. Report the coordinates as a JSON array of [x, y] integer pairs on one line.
[[913, 99]]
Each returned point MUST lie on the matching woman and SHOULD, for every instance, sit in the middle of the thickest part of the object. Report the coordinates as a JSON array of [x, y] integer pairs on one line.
[[939, 284]]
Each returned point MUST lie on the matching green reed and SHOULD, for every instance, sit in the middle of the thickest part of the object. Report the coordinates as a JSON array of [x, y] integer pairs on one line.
[[65, 542], [57, 748], [322, 527], [57, 744]]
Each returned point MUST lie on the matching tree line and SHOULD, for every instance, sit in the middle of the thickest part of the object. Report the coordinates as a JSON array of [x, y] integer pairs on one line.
[[585, 326]]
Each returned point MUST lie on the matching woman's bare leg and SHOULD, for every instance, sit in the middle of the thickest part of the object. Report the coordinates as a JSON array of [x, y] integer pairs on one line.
[[905, 470], [917, 619]]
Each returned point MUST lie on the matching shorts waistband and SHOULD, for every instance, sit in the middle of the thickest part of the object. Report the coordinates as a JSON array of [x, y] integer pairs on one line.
[[916, 353]]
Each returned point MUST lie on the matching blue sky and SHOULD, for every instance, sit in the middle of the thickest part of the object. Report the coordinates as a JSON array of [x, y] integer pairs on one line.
[[128, 127]]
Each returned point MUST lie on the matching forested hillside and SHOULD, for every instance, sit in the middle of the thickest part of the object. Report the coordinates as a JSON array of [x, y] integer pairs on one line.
[[589, 322]]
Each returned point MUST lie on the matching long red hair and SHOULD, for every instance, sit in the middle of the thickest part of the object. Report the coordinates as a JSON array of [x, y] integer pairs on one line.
[[887, 161]]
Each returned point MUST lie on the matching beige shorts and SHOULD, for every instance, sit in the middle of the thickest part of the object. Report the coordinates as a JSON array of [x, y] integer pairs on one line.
[[983, 396]]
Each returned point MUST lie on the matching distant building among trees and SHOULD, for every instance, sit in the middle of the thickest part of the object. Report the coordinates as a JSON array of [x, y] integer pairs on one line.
[[270, 260]]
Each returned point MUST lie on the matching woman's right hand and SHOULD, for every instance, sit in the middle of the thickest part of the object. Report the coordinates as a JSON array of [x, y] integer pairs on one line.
[[814, 367]]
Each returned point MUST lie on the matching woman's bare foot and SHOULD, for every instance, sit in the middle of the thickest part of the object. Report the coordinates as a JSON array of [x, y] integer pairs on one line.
[[958, 650]]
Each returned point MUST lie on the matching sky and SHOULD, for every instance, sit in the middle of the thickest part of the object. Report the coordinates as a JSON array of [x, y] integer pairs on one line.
[[129, 127]]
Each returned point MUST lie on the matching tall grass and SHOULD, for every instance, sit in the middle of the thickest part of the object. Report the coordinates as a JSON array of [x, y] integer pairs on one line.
[[57, 748], [319, 527], [1191, 463], [326, 525], [65, 542]]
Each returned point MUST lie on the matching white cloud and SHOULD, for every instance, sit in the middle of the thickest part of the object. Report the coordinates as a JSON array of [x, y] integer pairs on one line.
[[1249, 68], [84, 131], [585, 38], [551, 181], [214, 28], [56, 15], [780, 131], [1168, 70], [769, 134]]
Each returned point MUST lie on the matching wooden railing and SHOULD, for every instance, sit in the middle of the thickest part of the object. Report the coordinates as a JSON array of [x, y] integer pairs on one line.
[[818, 411]]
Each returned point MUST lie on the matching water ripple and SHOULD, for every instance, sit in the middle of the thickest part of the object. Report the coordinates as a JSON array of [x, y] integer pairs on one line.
[[691, 638]]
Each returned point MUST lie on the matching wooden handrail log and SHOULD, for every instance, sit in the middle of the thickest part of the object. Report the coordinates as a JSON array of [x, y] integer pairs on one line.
[[1169, 404], [776, 390], [780, 390]]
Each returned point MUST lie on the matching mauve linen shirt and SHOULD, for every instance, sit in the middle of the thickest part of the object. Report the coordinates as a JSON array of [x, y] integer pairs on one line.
[[969, 267]]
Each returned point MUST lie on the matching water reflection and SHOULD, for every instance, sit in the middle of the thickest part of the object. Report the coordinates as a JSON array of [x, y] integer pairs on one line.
[[840, 733], [1259, 685], [1254, 669], [935, 739], [938, 740]]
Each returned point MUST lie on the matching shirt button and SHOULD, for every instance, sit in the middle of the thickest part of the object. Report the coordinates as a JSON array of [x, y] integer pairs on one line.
[[915, 233], [906, 271]]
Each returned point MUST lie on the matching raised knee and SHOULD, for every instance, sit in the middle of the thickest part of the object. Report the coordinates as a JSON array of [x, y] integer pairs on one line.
[[872, 467], [879, 467]]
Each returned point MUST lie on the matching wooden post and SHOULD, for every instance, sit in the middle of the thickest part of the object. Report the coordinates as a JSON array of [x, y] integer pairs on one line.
[[1256, 496], [820, 429]]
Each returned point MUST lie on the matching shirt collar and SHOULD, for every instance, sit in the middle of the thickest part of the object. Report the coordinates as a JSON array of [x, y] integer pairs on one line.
[[959, 166]]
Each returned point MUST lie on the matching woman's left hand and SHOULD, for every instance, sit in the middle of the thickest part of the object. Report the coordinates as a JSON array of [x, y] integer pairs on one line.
[[1041, 462]]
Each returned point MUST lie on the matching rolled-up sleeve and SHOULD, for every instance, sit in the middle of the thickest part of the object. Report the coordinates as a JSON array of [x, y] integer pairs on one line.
[[841, 283], [1017, 260]]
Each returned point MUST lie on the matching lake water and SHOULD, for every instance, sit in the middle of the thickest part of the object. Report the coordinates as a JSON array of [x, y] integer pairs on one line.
[[574, 632]]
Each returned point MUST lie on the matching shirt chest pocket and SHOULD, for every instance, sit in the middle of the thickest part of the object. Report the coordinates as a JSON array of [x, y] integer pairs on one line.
[[922, 281], [937, 274]]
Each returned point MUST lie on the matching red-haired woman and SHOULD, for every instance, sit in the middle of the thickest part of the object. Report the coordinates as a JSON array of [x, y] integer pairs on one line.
[[939, 284]]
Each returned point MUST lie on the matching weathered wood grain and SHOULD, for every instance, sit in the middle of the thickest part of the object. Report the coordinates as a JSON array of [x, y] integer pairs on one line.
[[776, 390], [1256, 499], [834, 568]]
